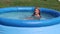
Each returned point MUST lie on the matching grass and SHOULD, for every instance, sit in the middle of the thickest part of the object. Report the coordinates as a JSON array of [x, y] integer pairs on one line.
[[53, 4]]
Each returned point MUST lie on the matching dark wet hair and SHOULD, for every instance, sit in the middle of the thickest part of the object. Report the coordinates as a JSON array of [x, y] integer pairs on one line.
[[34, 12]]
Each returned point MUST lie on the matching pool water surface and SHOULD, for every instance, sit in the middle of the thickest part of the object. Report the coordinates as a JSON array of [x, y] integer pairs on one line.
[[23, 15]]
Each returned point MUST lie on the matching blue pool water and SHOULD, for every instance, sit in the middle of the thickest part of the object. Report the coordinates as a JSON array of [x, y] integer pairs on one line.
[[23, 15]]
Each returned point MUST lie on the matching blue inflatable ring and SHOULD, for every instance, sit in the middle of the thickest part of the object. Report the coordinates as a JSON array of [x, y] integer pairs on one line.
[[29, 23]]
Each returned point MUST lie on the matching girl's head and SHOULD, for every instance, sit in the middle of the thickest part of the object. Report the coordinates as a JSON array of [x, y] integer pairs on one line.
[[36, 11]]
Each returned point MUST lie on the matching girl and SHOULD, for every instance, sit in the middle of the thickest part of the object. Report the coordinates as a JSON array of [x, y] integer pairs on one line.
[[35, 15]]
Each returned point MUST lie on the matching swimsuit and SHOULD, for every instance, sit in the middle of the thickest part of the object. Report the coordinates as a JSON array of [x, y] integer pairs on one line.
[[35, 18]]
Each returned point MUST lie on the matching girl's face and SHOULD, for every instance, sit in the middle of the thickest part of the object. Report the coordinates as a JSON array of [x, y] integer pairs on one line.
[[36, 10]]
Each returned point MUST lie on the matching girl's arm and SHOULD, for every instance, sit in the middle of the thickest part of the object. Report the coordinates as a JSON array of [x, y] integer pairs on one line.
[[28, 18]]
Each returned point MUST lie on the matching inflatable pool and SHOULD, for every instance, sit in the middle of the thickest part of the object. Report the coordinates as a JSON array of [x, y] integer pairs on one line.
[[29, 23]]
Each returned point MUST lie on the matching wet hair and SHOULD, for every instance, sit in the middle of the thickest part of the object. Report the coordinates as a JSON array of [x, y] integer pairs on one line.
[[35, 12]]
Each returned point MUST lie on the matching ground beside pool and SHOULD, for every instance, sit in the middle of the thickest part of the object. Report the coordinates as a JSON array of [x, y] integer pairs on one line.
[[53, 4]]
